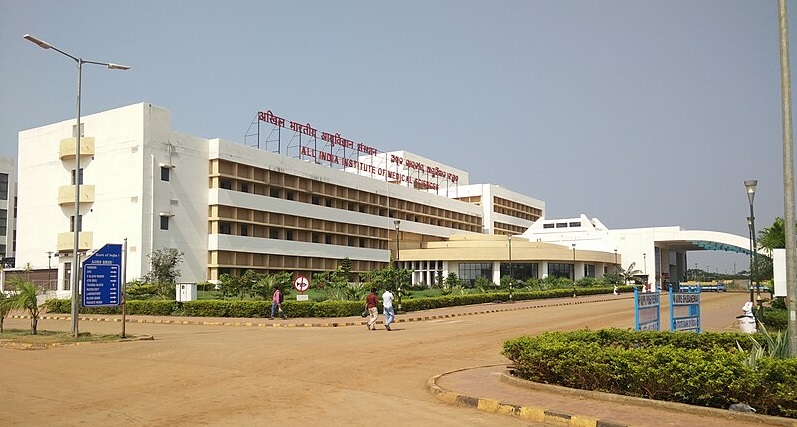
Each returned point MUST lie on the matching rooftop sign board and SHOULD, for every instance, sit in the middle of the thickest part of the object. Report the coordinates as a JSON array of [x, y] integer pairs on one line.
[[334, 150]]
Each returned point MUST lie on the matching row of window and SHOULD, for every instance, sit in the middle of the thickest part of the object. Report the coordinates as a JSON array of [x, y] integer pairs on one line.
[[236, 263], [516, 209], [3, 186], [244, 178], [562, 224], [469, 272]]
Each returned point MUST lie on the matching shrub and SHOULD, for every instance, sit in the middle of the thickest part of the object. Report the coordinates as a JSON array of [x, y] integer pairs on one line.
[[699, 369]]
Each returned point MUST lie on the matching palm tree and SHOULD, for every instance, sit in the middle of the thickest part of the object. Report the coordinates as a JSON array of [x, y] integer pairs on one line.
[[26, 299], [5, 308], [629, 274], [773, 237]]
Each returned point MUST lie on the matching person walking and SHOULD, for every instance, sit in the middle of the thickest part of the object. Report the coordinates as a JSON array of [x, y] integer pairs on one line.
[[276, 304], [371, 303], [387, 308]]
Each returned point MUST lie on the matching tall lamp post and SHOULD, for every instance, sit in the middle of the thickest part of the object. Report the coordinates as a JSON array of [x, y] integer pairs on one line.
[[616, 266], [49, 274], [397, 223], [751, 184], [77, 223], [788, 177], [645, 270], [574, 270], [511, 280]]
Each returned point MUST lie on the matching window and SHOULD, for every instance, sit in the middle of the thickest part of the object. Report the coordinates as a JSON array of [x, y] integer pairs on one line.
[[547, 225], [288, 234], [561, 225], [72, 223], [289, 195], [225, 228], [575, 224], [164, 222], [469, 272], [589, 270], [275, 192], [315, 200], [316, 238], [67, 275], [328, 239], [81, 176], [244, 187], [521, 271], [225, 184], [244, 230], [3, 186], [164, 173], [557, 269], [273, 233], [328, 203], [3, 221]]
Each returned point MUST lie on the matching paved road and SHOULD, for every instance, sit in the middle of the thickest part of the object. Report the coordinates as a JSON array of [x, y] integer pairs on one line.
[[258, 375]]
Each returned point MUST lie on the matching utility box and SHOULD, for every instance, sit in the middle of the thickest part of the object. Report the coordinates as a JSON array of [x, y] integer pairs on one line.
[[185, 292]]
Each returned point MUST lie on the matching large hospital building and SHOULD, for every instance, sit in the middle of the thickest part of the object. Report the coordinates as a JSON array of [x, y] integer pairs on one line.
[[293, 198]]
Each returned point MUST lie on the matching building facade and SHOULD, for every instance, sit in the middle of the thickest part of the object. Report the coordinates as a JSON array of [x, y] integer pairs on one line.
[[8, 187], [229, 207]]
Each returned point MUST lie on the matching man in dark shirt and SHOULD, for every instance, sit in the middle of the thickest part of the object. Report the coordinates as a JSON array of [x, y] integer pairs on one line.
[[371, 302]]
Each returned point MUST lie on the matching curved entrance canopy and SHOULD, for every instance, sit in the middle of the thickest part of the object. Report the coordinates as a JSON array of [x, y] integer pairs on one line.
[[696, 240]]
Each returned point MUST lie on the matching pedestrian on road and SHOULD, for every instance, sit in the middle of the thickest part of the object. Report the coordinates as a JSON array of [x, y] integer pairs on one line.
[[387, 308], [616, 290], [371, 302], [276, 303]]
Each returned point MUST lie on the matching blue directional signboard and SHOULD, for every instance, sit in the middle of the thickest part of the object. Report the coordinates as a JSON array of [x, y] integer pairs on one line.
[[647, 312], [102, 274], [685, 311]]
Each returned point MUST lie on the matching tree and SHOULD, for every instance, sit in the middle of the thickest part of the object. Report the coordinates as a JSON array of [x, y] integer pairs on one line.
[[26, 299], [346, 266], [630, 274], [5, 308], [163, 270], [773, 237]]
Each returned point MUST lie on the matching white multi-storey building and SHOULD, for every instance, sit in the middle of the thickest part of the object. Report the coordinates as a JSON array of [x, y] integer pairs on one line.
[[230, 207]]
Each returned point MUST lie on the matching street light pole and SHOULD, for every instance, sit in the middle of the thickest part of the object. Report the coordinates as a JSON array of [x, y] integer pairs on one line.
[[645, 270], [616, 266], [397, 223], [49, 274], [77, 222], [511, 280], [751, 184], [574, 270], [788, 178]]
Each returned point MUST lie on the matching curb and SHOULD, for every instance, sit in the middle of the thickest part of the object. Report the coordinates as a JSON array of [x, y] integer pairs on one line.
[[35, 346], [330, 324], [528, 413], [536, 414], [508, 378]]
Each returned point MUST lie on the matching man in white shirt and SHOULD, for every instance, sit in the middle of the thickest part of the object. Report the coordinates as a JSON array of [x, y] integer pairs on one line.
[[387, 305]]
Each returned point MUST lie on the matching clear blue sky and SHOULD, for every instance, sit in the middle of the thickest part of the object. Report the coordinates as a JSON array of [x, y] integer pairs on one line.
[[639, 113]]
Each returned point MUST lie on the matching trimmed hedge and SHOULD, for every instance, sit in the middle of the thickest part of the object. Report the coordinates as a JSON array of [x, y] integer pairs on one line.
[[702, 369], [329, 308]]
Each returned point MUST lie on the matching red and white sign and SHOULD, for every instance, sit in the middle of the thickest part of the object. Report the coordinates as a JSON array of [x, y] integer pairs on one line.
[[301, 284]]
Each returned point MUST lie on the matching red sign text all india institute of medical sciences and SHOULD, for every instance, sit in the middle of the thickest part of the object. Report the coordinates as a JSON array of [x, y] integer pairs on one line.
[[350, 159]]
